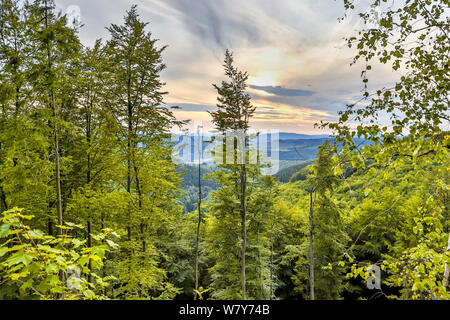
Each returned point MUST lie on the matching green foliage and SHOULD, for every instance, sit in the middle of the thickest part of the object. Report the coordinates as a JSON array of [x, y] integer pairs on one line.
[[293, 173], [223, 237], [413, 39], [408, 159], [45, 267], [67, 118], [84, 137], [234, 106]]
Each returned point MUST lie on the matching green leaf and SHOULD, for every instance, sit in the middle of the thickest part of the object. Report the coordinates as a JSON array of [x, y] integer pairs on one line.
[[36, 234], [27, 284], [52, 268], [19, 257], [17, 276], [89, 294], [76, 242], [4, 230], [3, 251], [73, 225]]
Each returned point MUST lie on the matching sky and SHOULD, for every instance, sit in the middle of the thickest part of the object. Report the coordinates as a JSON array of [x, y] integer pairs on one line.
[[298, 63]]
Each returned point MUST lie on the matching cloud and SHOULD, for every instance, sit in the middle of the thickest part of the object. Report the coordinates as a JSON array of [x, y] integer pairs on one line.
[[286, 46], [280, 91]]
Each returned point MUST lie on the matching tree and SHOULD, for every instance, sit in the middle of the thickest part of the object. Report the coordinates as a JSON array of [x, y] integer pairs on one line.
[[197, 238], [326, 233], [93, 146], [52, 75], [413, 39], [134, 97], [233, 114], [25, 173]]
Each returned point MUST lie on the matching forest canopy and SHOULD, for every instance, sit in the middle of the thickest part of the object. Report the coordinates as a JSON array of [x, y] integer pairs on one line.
[[91, 199]]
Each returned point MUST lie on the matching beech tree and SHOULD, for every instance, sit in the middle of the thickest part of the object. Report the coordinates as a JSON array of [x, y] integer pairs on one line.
[[233, 115], [134, 97]]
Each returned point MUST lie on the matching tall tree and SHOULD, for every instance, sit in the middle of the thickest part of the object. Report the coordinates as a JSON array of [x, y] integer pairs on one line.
[[199, 205], [134, 97], [134, 89], [12, 75], [326, 235], [233, 115]]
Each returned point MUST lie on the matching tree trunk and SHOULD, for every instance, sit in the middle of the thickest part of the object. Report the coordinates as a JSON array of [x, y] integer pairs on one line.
[[57, 169], [88, 181], [258, 243], [139, 192], [53, 107], [311, 247], [129, 151], [89, 243], [244, 228], [197, 239], [3, 204], [447, 268], [271, 272]]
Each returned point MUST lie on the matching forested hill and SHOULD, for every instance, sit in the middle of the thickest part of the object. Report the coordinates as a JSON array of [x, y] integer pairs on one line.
[[294, 172], [295, 152], [359, 232]]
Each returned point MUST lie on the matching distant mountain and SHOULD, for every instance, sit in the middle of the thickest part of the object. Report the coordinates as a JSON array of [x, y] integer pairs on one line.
[[283, 135], [300, 149], [296, 152], [297, 136], [293, 147]]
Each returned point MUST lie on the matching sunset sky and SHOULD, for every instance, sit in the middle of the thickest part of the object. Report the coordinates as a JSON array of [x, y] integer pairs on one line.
[[293, 50]]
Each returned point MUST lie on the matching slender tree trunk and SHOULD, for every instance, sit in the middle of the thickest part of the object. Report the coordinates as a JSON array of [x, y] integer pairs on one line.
[[50, 227], [447, 268], [258, 240], [88, 181], [244, 228], [3, 203], [139, 192], [57, 169], [197, 239], [129, 192], [89, 244], [129, 151], [311, 247], [271, 272], [53, 107], [102, 226]]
